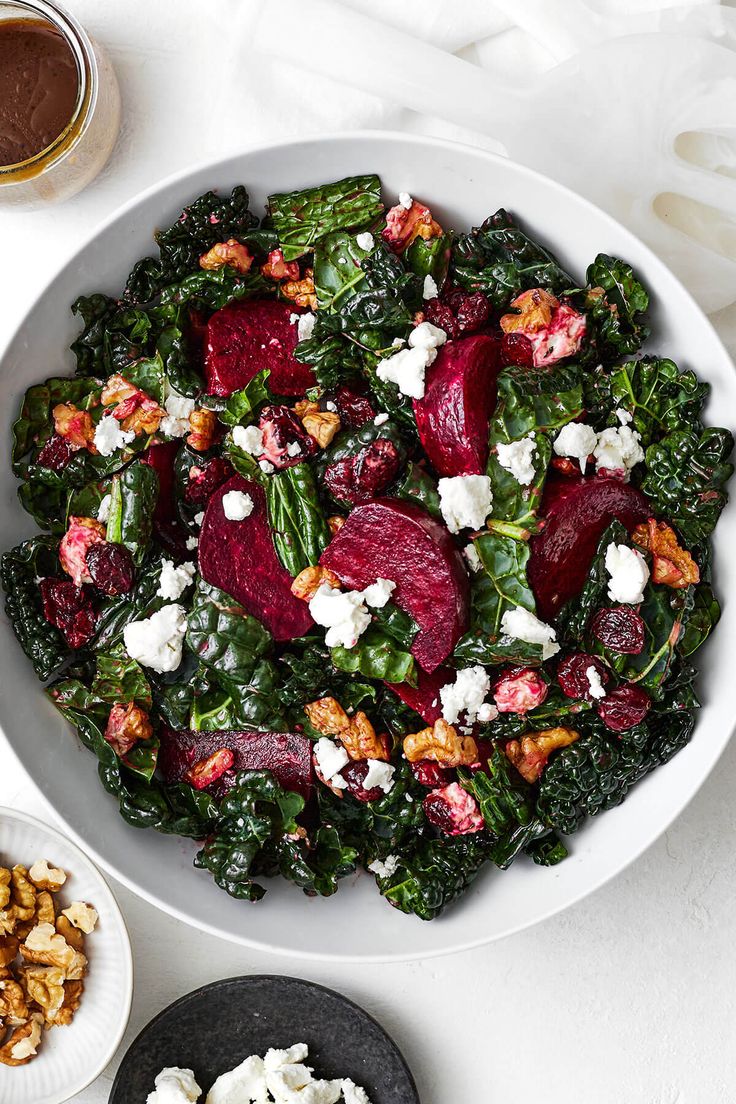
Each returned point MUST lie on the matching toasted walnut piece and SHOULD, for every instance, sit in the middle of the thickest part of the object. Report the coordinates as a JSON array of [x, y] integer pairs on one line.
[[135, 410], [9, 945], [534, 309], [304, 407], [672, 565], [13, 1003], [301, 291], [22, 893], [203, 425], [118, 390], [276, 268], [42, 874], [45, 988], [22, 1045], [72, 999], [82, 916], [308, 582], [335, 523], [441, 743], [75, 426], [4, 887], [231, 253], [145, 419], [321, 425], [327, 716], [74, 936], [47, 947], [126, 725], [530, 754], [45, 908], [361, 741]]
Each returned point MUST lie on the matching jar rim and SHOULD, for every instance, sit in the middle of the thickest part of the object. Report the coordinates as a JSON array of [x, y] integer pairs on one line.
[[47, 11]]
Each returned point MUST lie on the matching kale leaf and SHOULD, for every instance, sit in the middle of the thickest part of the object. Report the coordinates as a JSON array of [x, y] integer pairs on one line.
[[203, 223], [133, 498], [686, 474], [432, 873], [224, 638], [298, 526], [660, 397], [616, 304], [19, 569], [376, 655], [302, 218]]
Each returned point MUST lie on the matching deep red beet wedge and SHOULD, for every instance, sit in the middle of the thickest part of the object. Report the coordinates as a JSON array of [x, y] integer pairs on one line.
[[248, 335]]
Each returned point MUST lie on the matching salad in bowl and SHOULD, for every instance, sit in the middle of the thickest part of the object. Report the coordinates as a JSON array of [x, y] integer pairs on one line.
[[367, 542]]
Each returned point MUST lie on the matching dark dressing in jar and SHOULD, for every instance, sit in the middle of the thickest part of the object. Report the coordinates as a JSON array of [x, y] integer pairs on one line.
[[39, 88]]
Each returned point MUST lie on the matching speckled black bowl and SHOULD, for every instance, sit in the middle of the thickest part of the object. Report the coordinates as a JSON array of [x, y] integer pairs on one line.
[[214, 1028]]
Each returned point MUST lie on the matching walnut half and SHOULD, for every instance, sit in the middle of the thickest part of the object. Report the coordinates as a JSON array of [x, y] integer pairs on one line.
[[442, 744], [23, 1043]]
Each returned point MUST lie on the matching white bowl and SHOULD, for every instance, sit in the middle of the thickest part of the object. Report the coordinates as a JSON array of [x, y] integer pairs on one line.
[[463, 186], [70, 1058]]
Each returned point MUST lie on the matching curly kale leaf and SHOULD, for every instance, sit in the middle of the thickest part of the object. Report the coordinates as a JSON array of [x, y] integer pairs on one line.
[[120, 679], [334, 357], [302, 218], [430, 257], [616, 304], [34, 424], [96, 312], [241, 407], [660, 397], [376, 655], [338, 271], [501, 260], [298, 525], [133, 498], [703, 619], [317, 867], [685, 479], [19, 569], [420, 487], [224, 638], [203, 223], [432, 873]]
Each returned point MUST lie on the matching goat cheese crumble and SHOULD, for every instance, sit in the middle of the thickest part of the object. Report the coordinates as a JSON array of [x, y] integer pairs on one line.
[[430, 289], [628, 574], [465, 695], [266, 467], [618, 449], [380, 775], [109, 437], [380, 419], [595, 682], [249, 439], [520, 624], [156, 641], [465, 501], [103, 510], [174, 1086], [178, 409], [470, 552], [342, 613], [173, 581], [407, 368], [237, 505], [405, 200], [516, 458], [577, 440], [378, 593], [365, 241], [331, 758], [385, 868]]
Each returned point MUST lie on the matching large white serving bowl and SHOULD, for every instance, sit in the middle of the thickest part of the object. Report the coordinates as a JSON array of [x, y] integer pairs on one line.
[[463, 186]]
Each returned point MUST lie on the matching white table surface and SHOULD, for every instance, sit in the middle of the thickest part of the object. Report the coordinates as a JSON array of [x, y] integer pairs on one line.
[[628, 998]]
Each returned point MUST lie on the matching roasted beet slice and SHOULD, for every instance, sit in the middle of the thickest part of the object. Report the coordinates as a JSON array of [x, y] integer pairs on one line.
[[287, 754], [390, 539], [577, 511], [248, 335], [460, 395], [239, 557], [168, 528], [424, 698]]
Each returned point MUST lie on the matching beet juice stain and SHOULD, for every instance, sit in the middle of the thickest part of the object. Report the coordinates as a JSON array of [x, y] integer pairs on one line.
[[39, 86]]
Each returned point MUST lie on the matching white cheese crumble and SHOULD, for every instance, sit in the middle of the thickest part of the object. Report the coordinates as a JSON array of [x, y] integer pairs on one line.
[[103, 510], [427, 336], [178, 408], [304, 324], [365, 241], [156, 641], [266, 467], [249, 439], [405, 200], [618, 449], [174, 1086], [378, 593], [465, 695], [386, 868], [520, 624], [293, 449], [342, 613], [109, 437], [624, 416], [237, 505], [407, 368], [380, 419], [379, 775], [628, 574], [578, 440], [471, 555], [331, 758], [199, 518], [246, 1082], [516, 458], [487, 712], [331, 407], [173, 581], [595, 682], [465, 501], [191, 543], [430, 289]]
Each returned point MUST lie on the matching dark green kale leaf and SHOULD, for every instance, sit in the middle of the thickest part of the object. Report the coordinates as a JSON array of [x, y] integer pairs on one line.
[[501, 260], [241, 407], [298, 525], [685, 479], [96, 312], [660, 397], [335, 357], [664, 612], [376, 655], [251, 706], [338, 271], [215, 288], [616, 304], [203, 223], [19, 569], [432, 873], [224, 638], [531, 400], [316, 866], [302, 218], [420, 487], [703, 618], [120, 679], [133, 497], [430, 257]]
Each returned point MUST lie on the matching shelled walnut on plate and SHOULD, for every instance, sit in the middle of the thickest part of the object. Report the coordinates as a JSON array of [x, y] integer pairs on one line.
[[42, 959]]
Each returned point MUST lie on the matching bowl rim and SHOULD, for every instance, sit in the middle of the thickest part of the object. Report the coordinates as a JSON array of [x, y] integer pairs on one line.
[[125, 966], [717, 745]]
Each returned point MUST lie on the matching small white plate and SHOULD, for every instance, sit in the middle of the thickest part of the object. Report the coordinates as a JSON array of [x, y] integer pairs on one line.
[[69, 1058]]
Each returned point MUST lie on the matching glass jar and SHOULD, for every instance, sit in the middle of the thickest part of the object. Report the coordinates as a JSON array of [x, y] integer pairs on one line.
[[76, 156]]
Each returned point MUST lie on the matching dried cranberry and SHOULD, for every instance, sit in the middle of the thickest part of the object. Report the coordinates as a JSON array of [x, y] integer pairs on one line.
[[517, 349], [359, 478], [110, 567], [458, 312], [453, 810], [439, 314], [431, 774], [619, 628], [519, 689], [354, 409], [55, 454], [473, 312], [69, 609], [623, 708], [572, 677], [204, 479], [354, 774], [285, 440]]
